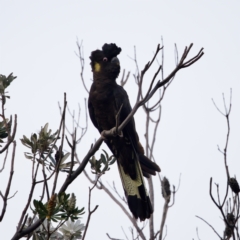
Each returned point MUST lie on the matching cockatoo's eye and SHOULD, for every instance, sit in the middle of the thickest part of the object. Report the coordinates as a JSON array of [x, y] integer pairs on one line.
[[105, 59]]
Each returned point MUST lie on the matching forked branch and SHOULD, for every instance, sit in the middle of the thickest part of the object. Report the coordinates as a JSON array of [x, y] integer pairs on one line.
[[159, 84]]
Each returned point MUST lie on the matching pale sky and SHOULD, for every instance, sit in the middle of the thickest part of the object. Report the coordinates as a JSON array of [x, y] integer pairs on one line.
[[37, 44]]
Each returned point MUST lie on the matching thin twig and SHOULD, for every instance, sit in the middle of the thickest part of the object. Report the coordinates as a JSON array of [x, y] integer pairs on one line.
[[115, 190], [112, 238], [62, 126], [81, 59], [173, 193], [90, 212], [159, 84], [165, 232], [210, 226], [124, 233], [197, 234], [124, 210], [4, 161], [5, 197], [117, 120], [164, 216], [124, 81]]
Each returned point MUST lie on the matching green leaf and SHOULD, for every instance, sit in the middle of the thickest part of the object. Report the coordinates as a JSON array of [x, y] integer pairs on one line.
[[65, 157], [106, 154], [35, 203], [5, 82], [54, 220], [45, 128], [66, 196], [34, 137], [103, 159], [67, 165], [112, 161], [105, 167], [28, 156]]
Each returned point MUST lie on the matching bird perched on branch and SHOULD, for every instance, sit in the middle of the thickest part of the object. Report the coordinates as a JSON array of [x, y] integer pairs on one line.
[[107, 100]]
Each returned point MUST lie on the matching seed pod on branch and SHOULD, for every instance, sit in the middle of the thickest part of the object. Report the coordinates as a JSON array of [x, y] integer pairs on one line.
[[231, 219], [72, 202], [165, 188], [232, 182], [227, 232], [51, 206]]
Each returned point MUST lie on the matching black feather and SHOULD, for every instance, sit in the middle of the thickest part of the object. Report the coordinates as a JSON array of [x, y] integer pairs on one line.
[[111, 50], [105, 99]]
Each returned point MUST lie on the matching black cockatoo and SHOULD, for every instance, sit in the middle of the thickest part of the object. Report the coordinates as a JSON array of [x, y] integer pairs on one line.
[[105, 99]]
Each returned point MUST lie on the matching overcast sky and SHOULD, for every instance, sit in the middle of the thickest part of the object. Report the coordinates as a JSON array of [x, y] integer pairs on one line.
[[37, 44]]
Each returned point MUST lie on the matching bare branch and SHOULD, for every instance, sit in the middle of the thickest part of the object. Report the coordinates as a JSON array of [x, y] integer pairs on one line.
[[210, 192], [124, 233], [151, 195], [173, 193], [124, 81], [5, 197], [62, 126], [197, 234], [162, 59], [218, 206], [164, 216], [176, 54], [18, 233], [112, 238], [90, 212], [28, 230], [133, 220], [210, 226], [115, 190], [155, 130], [159, 83], [78, 171], [117, 120], [77, 123], [4, 161], [81, 59], [217, 107], [226, 115], [165, 233]]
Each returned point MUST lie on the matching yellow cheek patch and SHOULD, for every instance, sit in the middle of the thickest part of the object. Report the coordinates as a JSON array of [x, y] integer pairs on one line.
[[97, 67]]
